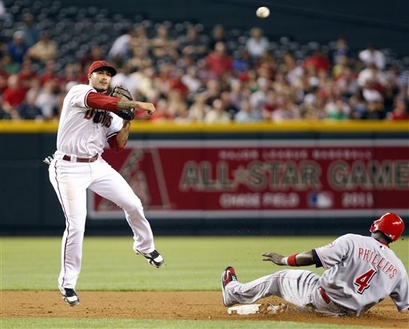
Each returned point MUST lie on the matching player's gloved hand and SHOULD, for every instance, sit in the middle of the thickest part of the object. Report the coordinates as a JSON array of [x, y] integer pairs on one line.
[[47, 160], [121, 92], [126, 114]]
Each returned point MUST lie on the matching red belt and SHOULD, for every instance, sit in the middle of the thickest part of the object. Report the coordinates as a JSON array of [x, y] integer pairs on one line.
[[92, 159], [324, 295]]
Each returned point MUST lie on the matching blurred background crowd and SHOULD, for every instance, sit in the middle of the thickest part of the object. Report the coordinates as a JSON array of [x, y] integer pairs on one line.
[[192, 73]]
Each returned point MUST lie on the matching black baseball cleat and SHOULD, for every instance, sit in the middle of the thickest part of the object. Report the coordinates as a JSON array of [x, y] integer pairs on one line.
[[154, 258], [228, 275], [69, 296]]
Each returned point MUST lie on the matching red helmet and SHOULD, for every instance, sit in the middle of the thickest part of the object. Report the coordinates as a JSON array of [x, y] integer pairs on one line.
[[389, 224]]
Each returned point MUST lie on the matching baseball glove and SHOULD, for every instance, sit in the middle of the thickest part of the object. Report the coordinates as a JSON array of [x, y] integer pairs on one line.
[[120, 92]]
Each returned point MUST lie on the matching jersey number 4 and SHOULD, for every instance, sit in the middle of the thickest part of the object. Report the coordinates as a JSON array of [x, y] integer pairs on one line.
[[362, 281]]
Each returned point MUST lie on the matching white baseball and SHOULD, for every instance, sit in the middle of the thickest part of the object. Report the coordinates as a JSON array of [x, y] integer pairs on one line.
[[262, 12]]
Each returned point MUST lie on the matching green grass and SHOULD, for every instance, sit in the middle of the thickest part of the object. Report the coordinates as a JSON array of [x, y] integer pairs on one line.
[[109, 263], [164, 324]]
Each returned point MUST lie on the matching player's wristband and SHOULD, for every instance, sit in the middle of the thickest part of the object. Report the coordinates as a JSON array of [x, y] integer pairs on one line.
[[291, 260], [284, 261]]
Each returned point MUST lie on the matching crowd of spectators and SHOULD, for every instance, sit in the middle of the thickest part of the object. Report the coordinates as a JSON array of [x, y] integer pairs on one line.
[[197, 76]]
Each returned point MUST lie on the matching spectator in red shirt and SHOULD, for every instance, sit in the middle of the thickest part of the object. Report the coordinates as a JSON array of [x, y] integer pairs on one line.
[[219, 61], [318, 60], [400, 111], [13, 96], [26, 74], [176, 83], [50, 74]]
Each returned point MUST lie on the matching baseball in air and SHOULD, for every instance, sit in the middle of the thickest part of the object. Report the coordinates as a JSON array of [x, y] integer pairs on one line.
[[263, 12]]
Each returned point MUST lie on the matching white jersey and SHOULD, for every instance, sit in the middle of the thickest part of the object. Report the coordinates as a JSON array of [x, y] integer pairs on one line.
[[83, 131], [77, 168], [361, 271]]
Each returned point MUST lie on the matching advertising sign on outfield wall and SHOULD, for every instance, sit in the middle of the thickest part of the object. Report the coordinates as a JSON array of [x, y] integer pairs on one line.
[[263, 178]]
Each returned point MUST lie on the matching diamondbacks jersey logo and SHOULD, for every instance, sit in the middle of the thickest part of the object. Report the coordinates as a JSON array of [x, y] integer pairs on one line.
[[98, 116]]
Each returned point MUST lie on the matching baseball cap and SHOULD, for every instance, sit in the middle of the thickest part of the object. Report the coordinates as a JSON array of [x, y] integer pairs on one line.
[[101, 64]]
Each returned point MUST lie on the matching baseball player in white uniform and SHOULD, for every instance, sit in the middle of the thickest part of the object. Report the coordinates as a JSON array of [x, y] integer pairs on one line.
[[359, 272], [89, 122]]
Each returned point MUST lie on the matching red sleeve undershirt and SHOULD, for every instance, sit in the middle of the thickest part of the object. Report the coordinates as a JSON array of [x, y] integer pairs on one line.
[[100, 101], [104, 102]]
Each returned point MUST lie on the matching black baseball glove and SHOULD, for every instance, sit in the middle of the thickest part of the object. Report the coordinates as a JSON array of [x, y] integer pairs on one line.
[[120, 92]]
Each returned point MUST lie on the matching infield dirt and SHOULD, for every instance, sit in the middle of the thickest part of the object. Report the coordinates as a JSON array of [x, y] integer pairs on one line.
[[180, 305]]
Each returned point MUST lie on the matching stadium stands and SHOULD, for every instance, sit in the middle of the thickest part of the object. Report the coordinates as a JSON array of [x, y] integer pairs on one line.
[[304, 91]]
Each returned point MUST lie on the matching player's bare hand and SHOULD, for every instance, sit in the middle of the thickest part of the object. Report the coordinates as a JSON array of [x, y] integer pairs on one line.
[[273, 257], [148, 107]]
